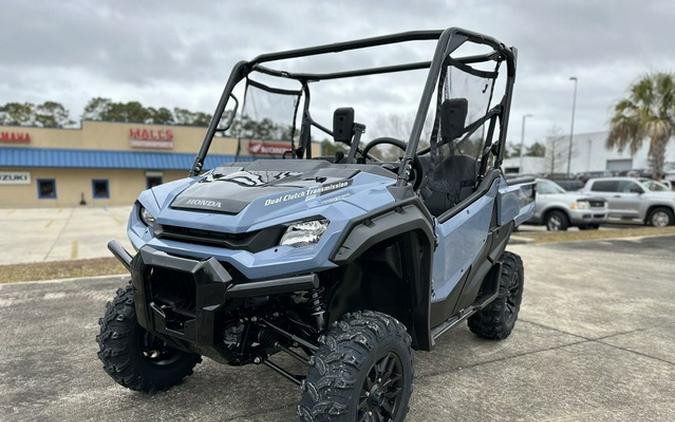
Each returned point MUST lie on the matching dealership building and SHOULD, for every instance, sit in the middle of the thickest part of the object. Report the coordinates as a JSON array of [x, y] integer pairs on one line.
[[590, 156], [106, 163]]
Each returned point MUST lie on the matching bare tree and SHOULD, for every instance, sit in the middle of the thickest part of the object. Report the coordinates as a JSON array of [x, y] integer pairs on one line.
[[399, 126], [557, 146]]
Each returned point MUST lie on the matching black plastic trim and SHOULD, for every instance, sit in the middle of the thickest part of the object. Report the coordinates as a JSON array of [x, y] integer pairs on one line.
[[273, 287], [253, 242], [400, 224]]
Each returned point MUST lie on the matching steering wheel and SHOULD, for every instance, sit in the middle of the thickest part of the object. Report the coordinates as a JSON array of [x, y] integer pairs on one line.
[[415, 174], [384, 140]]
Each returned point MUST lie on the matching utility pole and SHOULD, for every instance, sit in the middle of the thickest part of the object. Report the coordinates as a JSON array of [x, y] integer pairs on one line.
[[522, 142], [574, 106]]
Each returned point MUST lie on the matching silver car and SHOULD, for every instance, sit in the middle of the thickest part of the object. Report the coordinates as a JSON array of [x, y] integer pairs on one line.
[[558, 209], [630, 199]]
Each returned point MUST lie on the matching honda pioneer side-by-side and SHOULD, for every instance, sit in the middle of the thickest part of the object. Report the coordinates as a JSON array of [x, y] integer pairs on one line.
[[346, 263]]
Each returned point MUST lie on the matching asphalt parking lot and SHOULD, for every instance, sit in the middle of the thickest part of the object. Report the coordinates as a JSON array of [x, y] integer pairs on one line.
[[595, 342]]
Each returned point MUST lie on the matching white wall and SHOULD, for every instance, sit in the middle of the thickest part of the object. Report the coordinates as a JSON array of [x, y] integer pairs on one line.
[[531, 165], [590, 154]]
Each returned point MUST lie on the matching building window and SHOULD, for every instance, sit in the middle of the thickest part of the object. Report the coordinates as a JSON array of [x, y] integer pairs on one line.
[[100, 189], [46, 188], [152, 181]]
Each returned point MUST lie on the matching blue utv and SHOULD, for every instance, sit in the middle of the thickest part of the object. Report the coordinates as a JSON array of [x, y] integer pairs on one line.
[[346, 262]]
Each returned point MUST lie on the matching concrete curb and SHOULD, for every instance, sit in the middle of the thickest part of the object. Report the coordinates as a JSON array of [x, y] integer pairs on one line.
[[604, 239], [519, 240], [64, 280]]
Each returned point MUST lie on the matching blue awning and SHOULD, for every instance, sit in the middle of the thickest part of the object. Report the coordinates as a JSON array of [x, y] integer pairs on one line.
[[84, 158]]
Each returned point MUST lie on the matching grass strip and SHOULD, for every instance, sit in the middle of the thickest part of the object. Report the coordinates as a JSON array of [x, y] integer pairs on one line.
[[60, 269], [578, 235]]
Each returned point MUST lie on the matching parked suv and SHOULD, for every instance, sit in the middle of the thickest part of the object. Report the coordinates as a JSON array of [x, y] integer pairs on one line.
[[558, 209], [629, 199]]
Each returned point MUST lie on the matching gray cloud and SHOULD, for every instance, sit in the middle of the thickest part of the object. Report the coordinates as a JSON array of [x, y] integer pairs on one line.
[[179, 53]]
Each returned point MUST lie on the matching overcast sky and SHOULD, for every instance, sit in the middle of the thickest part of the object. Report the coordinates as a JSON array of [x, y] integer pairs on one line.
[[166, 53]]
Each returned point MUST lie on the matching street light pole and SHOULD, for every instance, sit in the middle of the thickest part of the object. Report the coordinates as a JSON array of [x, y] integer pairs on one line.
[[522, 142], [574, 106]]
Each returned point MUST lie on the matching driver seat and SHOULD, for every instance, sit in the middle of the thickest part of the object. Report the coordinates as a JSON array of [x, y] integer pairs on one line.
[[453, 179], [449, 183]]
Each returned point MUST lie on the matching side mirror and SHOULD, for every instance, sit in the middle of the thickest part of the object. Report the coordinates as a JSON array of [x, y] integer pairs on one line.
[[636, 189], [453, 117], [228, 115], [343, 125]]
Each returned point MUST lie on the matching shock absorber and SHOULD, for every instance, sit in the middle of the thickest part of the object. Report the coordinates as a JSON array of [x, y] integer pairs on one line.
[[318, 308]]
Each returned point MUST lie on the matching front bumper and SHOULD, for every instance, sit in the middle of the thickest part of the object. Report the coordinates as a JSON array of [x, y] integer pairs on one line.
[[588, 216], [190, 314]]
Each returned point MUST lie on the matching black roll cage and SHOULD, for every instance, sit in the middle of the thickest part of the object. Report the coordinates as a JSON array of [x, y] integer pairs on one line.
[[449, 40]]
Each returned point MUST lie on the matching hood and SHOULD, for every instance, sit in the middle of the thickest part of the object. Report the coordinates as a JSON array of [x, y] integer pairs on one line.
[[230, 189], [660, 195], [571, 197]]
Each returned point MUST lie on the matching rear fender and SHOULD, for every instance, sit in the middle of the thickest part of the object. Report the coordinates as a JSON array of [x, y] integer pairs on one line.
[[516, 201]]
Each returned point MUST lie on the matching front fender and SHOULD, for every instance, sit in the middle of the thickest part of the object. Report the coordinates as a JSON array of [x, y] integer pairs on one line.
[[410, 221]]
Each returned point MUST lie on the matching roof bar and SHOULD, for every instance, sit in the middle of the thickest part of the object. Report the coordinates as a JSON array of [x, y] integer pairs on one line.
[[349, 45]]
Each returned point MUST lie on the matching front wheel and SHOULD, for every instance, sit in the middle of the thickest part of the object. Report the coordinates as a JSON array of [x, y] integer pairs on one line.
[[135, 358], [362, 372], [661, 217], [556, 221]]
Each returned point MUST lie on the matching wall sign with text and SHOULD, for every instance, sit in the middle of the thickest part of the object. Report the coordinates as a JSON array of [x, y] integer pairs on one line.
[[15, 137], [14, 178], [151, 138], [268, 148]]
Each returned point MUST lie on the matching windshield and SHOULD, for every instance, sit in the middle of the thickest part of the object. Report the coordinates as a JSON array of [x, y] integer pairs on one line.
[[286, 111], [655, 186], [545, 187]]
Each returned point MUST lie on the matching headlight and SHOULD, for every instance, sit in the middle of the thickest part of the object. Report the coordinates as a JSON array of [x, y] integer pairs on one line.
[[146, 217], [304, 233], [581, 205]]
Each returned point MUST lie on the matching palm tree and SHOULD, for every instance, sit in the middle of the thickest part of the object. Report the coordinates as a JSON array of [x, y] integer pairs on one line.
[[648, 112]]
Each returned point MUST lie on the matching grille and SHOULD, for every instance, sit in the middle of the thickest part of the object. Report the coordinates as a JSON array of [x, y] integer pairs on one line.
[[253, 241], [173, 289], [594, 203]]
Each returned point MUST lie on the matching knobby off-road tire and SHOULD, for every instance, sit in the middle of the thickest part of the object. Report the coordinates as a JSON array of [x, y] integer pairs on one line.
[[364, 364], [496, 321], [134, 358]]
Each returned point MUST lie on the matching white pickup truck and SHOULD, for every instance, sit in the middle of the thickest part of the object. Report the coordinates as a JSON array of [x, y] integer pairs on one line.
[[630, 199]]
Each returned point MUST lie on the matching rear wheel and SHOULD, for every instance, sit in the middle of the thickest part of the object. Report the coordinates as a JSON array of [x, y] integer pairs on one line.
[[362, 372], [661, 217], [496, 321], [556, 221], [135, 358]]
